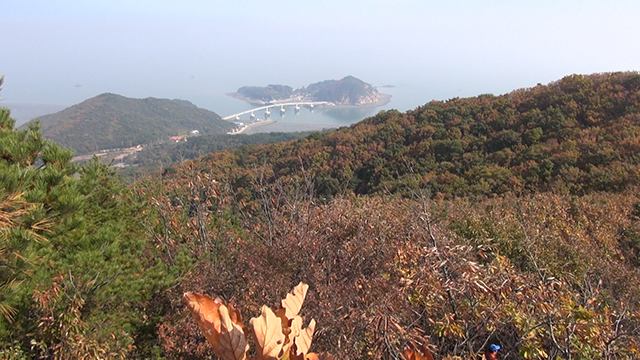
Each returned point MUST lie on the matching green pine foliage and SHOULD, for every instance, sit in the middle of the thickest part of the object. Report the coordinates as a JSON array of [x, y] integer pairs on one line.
[[77, 269]]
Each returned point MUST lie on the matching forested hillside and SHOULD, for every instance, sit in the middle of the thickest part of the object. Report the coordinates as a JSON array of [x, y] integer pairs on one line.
[[511, 219], [267, 93], [346, 91], [576, 135], [154, 158], [506, 219], [111, 121], [173, 152]]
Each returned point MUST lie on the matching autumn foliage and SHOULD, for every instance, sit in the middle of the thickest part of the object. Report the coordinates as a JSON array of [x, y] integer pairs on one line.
[[575, 135], [510, 220], [277, 335], [498, 219], [447, 276]]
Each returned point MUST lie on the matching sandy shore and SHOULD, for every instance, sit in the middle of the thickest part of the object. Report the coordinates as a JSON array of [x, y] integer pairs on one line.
[[255, 124]]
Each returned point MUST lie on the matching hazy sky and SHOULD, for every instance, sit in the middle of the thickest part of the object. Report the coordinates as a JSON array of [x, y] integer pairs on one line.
[[199, 50]]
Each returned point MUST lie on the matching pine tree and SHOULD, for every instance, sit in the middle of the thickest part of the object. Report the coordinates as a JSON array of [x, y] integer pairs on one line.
[[76, 266]]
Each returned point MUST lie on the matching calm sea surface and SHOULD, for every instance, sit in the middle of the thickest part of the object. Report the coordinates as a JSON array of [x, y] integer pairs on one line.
[[403, 98]]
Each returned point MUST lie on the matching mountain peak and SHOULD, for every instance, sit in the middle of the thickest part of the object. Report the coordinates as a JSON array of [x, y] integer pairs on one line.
[[110, 120]]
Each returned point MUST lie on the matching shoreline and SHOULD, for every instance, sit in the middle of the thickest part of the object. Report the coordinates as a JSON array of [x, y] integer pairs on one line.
[[238, 96], [255, 124], [383, 100]]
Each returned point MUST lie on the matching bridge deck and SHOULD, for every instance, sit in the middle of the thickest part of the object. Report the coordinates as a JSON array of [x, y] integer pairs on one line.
[[275, 105]]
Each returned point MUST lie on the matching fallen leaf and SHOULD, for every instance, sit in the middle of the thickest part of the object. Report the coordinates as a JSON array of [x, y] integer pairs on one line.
[[205, 311], [321, 356], [410, 354]]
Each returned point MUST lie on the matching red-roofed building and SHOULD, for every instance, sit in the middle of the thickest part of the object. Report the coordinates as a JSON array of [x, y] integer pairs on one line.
[[179, 138]]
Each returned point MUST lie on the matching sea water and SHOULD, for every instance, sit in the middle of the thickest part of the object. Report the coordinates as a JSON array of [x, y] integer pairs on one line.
[[403, 97]]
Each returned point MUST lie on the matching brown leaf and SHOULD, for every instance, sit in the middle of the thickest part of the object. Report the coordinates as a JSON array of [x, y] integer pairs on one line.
[[268, 334], [294, 330], [293, 302], [233, 342], [286, 330], [296, 326], [205, 311], [227, 337], [304, 336], [235, 315], [410, 354]]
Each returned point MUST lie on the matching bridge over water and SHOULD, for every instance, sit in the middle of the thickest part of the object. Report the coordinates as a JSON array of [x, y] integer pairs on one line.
[[267, 107]]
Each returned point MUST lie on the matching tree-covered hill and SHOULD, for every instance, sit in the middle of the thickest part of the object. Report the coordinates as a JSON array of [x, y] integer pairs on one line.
[[110, 121], [508, 219], [346, 91], [199, 146], [267, 93], [579, 134], [155, 157]]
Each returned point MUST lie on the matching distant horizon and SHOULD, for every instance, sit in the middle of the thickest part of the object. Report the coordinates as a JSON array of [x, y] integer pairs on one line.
[[66, 52], [24, 112]]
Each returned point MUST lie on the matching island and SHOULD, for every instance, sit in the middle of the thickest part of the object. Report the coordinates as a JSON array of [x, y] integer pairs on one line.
[[348, 91]]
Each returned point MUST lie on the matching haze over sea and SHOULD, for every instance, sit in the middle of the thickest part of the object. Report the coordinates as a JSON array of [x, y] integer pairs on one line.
[[403, 97], [322, 117], [58, 54]]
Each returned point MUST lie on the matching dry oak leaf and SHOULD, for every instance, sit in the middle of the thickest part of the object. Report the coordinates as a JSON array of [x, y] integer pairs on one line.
[[293, 302], [267, 330], [205, 311], [302, 338], [220, 325], [286, 330], [233, 341]]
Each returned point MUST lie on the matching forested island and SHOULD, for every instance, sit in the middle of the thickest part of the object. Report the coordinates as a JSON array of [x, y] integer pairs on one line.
[[348, 91]]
